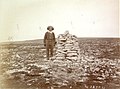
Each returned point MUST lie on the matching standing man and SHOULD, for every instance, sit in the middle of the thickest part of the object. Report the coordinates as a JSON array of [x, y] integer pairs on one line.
[[49, 41]]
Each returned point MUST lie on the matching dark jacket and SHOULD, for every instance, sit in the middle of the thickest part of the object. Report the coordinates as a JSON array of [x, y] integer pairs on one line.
[[49, 38]]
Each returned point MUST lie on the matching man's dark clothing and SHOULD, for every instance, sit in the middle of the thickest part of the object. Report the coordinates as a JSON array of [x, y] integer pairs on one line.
[[49, 42]]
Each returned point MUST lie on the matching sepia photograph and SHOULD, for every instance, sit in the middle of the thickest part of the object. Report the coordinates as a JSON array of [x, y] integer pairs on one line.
[[59, 44]]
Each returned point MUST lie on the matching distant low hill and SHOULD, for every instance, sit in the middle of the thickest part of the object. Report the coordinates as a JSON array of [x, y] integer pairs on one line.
[[36, 41], [40, 41]]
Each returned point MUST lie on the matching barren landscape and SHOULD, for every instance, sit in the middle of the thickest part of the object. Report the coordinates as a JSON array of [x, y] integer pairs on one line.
[[23, 65]]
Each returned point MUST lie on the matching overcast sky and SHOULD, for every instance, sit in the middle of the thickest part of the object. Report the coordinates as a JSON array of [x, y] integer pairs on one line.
[[28, 19]]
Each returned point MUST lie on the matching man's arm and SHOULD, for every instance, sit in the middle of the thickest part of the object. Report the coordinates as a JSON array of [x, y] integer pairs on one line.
[[54, 38], [45, 37]]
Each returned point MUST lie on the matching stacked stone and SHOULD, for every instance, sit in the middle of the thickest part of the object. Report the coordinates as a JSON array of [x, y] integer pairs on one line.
[[66, 66], [67, 47]]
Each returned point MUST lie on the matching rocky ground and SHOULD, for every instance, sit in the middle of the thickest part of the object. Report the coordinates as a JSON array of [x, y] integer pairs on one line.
[[24, 66]]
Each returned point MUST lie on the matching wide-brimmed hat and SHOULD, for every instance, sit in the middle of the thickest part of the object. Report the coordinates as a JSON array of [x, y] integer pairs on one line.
[[50, 27]]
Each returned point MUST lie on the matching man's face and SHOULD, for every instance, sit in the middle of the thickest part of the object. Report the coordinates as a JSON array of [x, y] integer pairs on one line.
[[50, 29]]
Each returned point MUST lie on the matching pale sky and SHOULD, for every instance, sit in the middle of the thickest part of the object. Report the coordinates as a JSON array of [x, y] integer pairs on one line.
[[28, 19]]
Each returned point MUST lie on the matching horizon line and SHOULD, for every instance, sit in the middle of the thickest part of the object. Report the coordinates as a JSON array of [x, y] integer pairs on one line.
[[56, 38]]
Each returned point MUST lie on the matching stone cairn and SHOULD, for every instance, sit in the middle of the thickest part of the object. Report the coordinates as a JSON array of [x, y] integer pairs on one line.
[[68, 47], [67, 64]]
